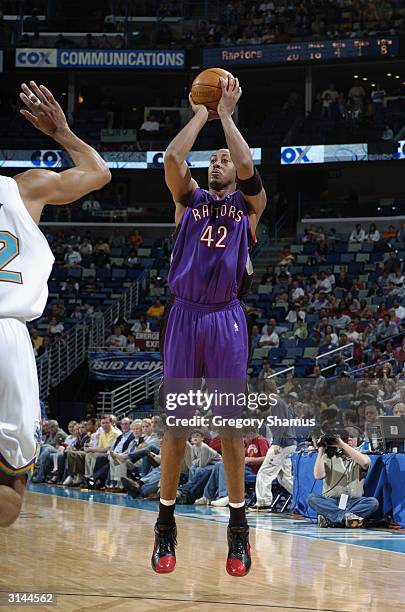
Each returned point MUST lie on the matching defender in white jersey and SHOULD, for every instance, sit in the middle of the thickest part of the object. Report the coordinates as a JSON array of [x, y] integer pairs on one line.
[[25, 265]]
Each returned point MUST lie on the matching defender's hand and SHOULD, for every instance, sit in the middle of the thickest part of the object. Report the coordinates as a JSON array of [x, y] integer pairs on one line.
[[231, 92], [43, 111]]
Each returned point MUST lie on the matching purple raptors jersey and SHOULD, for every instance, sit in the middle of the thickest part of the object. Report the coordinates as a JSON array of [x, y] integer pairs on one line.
[[210, 257]]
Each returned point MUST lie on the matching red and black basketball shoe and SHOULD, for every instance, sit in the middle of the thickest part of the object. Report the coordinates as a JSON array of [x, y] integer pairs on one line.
[[164, 554], [239, 559]]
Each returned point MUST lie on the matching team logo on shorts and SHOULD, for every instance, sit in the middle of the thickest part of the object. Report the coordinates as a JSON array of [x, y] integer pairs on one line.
[[235, 326]]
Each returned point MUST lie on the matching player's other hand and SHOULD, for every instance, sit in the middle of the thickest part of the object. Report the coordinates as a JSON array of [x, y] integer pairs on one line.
[[43, 111], [210, 115], [231, 92], [197, 108]]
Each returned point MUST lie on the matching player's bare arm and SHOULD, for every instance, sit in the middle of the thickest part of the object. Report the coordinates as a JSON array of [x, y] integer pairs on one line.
[[238, 147], [41, 187], [177, 173]]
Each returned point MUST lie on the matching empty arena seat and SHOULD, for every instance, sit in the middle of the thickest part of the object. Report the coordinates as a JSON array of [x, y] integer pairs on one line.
[[119, 274], [75, 273], [103, 273], [294, 352]]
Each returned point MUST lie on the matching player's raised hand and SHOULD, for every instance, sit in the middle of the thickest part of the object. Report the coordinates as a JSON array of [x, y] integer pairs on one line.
[[210, 114], [43, 111], [197, 108], [231, 92]]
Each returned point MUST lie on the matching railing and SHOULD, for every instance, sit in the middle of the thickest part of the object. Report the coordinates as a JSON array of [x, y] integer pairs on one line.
[[127, 397], [118, 309], [67, 353], [61, 359], [324, 369]]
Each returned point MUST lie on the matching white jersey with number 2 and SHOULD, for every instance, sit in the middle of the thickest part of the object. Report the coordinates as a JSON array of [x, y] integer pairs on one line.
[[26, 259], [25, 265]]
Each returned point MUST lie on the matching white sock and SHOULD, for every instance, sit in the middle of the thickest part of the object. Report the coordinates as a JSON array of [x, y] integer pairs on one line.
[[239, 505], [167, 502]]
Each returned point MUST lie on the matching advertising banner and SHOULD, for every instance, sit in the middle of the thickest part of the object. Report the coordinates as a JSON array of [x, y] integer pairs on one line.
[[128, 59], [115, 365]]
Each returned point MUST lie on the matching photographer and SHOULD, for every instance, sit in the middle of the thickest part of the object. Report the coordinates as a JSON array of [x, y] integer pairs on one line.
[[342, 469]]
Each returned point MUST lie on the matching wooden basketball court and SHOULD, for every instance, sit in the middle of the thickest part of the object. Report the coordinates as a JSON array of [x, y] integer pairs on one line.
[[94, 554]]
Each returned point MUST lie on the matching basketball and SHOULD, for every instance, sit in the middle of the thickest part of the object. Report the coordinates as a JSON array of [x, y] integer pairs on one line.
[[206, 88]]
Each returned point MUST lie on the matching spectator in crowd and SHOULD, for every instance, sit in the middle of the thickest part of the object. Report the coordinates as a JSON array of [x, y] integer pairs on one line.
[[373, 235], [255, 336], [215, 491], [59, 458], [86, 248], [300, 330], [135, 239], [200, 459], [73, 259], [132, 260], [156, 310], [277, 462], [54, 437], [150, 128], [399, 409], [270, 339], [76, 454], [117, 239], [77, 313], [37, 340], [358, 234], [70, 286], [357, 95], [102, 464], [141, 325], [117, 340], [269, 277], [119, 458], [105, 442], [55, 328]]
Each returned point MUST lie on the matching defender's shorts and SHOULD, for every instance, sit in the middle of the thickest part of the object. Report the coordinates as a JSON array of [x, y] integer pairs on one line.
[[20, 413]]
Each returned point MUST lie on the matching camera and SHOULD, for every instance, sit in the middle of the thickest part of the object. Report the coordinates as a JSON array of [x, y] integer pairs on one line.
[[328, 442]]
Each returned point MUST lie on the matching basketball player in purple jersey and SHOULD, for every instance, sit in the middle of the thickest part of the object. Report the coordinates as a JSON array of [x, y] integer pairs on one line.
[[206, 331]]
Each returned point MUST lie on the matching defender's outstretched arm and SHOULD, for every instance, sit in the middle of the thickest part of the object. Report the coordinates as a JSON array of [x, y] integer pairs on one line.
[[41, 187]]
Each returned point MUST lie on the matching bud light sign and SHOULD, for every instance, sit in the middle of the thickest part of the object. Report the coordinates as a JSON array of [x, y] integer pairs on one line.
[[113, 365]]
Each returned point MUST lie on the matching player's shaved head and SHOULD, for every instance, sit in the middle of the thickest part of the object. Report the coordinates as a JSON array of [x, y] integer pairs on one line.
[[221, 172], [221, 151]]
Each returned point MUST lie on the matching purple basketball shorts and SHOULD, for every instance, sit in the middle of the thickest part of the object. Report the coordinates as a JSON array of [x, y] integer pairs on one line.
[[210, 342]]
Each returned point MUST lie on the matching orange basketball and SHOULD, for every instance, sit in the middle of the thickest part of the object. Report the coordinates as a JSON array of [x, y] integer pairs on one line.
[[206, 88]]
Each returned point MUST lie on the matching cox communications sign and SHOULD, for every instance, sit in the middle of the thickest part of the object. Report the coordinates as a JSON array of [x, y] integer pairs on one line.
[[36, 58], [129, 59]]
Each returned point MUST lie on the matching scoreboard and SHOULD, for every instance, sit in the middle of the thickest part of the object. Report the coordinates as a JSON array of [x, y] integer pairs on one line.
[[306, 52]]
